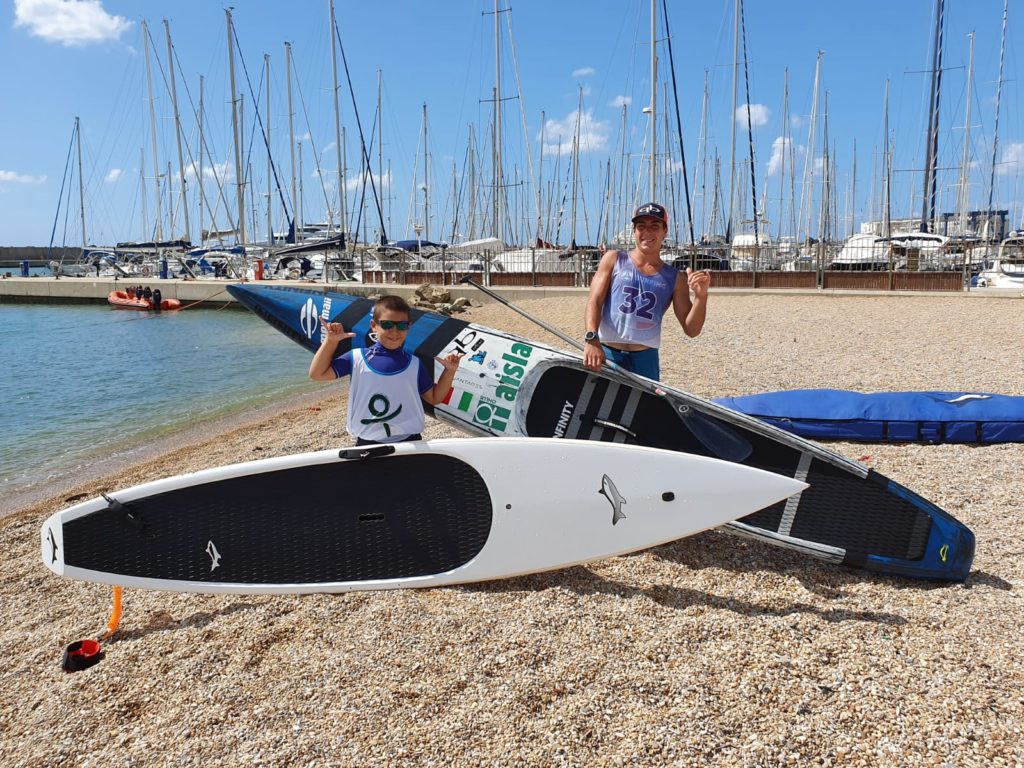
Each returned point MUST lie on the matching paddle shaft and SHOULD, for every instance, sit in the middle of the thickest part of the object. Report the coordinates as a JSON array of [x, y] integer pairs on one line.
[[724, 442], [564, 337], [549, 328]]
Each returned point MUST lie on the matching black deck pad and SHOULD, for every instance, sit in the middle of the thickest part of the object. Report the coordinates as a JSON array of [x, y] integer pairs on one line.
[[387, 518], [839, 509]]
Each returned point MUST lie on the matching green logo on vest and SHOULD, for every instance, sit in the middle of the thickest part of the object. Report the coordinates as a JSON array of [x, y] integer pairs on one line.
[[379, 406]]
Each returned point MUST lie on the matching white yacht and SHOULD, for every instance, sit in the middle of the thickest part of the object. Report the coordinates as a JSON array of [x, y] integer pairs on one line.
[[1007, 269]]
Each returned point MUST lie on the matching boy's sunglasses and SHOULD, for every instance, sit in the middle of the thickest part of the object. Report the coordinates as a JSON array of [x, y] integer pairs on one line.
[[387, 325]]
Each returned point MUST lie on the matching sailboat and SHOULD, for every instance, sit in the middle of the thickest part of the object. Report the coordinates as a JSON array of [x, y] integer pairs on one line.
[[1007, 269]]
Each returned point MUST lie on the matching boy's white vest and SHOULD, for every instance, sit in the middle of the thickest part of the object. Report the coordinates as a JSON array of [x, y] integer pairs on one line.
[[382, 407]]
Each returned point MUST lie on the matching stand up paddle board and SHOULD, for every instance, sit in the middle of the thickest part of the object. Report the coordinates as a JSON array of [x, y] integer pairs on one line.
[[418, 514], [511, 386]]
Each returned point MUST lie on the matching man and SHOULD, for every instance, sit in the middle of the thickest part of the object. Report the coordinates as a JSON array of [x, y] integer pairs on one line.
[[629, 295]]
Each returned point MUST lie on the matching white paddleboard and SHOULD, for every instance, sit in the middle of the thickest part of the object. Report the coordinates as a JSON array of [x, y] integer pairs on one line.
[[417, 514]]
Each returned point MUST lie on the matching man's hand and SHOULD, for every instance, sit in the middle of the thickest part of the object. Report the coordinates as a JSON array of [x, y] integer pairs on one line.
[[698, 282], [593, 355]]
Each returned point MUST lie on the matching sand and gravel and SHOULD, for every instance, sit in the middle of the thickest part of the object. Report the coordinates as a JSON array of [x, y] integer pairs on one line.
[[705, 652]]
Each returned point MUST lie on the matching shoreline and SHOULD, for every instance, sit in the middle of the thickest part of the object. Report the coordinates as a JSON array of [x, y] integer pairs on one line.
[[136, 460]]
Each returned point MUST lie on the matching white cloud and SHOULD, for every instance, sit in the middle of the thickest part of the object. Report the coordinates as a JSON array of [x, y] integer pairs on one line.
[[620, 101], [221, 171], [558, 134], [114, 175], [758, 114], [584, 72], [13, 177], [355, 182], [1012, 160], [69, 22], [330, 147], [780, 148]]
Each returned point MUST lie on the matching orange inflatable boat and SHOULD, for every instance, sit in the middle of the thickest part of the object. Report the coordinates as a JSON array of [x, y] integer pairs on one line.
[[122, 300]]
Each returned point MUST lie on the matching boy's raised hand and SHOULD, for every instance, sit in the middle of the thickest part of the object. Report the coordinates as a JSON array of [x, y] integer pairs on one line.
[[451, 362], [335, 331]]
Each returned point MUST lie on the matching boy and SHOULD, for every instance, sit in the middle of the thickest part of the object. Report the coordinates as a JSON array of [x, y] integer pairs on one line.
[[388, 383]]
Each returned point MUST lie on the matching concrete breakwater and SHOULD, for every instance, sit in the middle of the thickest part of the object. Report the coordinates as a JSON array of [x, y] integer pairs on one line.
[[213, 293]]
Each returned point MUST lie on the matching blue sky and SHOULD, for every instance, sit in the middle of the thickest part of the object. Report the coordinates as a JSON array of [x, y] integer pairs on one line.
[[64, 59]]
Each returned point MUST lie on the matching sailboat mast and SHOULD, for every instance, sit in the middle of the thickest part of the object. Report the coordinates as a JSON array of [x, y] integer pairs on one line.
[[823, 208], [300, 224], [380, 132], [732, 117], [473, 200], [704, 160], [81, 184], [576, 167], [291, 133], [808, 184], [887, 172], [142, 194], [237, 135], [929, 189], [199, 177], [622, 210], [496, 149], [541, 235], [152, 125], [177, 128], [995, 134], [343, 216], [853, 190], [782, 165], [654, 99], [426, 178], [964, 202], [270, 159]]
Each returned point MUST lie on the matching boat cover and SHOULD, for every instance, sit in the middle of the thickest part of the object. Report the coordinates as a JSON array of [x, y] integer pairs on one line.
[[878, 417]]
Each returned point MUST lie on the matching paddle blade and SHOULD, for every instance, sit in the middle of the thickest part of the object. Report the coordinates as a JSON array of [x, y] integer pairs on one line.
[[719, 438]]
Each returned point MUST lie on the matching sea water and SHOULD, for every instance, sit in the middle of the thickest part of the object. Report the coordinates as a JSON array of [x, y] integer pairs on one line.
[[81, 383]]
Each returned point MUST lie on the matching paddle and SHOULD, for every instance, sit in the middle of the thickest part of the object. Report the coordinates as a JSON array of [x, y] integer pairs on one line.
[[719, 438]]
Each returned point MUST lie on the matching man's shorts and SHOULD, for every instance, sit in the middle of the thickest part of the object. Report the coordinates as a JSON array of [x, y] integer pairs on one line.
[[644, 362]]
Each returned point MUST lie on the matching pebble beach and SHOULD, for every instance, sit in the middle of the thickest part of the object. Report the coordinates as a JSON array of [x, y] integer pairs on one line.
[[709, 651]]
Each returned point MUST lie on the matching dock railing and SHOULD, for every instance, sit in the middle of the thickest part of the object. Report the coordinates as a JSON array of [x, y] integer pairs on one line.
[[825, 266]]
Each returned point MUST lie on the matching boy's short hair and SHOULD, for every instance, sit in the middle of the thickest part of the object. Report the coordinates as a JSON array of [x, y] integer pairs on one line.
[[392, 303]]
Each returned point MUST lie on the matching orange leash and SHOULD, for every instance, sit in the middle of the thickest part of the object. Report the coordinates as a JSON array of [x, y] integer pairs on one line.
[[115, 615]]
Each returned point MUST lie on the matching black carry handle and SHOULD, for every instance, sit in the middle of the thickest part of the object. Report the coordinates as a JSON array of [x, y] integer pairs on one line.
[[365, 452], [719, 438]]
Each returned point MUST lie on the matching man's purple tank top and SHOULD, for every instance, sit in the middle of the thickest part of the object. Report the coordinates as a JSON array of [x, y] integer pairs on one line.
[[636, 303]]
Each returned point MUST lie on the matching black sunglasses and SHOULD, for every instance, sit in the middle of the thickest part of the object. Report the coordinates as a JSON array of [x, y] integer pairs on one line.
[[387, 325]]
